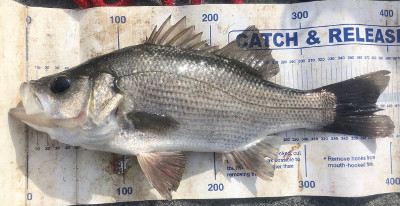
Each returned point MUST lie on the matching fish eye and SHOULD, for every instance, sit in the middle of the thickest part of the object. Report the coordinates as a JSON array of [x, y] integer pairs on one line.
[[60, 84]]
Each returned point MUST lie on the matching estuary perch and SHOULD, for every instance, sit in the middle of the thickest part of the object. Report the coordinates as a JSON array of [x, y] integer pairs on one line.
[[174, 93]]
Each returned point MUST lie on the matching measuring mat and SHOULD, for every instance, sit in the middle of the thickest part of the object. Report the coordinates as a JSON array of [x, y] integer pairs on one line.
[[314, 44]]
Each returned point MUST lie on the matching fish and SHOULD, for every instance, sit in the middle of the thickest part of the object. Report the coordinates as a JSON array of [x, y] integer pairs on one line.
[[175, 94]]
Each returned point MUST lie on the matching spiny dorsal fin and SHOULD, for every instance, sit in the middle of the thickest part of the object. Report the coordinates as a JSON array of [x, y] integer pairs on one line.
[[258, 60], [178, 35], [252, 157], [163, 170], [157, 34]]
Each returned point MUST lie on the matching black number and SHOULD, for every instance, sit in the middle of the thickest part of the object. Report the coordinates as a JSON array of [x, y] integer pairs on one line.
[[209, 17], [118, 19], [124, 191]]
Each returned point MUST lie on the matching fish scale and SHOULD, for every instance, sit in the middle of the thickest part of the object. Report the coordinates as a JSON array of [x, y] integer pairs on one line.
[[228, 77], [240, 107]]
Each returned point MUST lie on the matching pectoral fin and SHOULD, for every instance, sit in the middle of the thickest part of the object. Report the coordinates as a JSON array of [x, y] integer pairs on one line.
[[163, 170], [252, 157], [153, 123]]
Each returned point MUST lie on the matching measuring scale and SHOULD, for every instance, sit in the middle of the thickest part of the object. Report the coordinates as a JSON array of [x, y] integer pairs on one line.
[[312, 49]]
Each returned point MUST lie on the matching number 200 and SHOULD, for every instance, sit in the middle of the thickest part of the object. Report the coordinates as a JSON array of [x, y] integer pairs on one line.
[[209, 17], [215, 187]]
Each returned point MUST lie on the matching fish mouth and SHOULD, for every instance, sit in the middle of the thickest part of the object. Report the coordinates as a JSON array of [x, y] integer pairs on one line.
[[30, 100], [38, 119], [31, 111]]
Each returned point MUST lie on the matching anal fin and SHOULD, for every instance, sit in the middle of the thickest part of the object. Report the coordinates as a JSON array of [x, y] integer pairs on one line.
[[252, 157], [163, 170]]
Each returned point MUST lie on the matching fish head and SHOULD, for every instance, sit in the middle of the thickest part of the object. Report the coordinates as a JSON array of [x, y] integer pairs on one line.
[[55, 100], [76, 108]]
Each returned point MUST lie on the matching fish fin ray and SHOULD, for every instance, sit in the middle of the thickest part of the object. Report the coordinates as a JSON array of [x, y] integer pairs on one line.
[[356, 104], [181, 37], [252, 157], [191, 41], [163, 170], [178, 35], [172, 32], [151, 37], [259, 60], [368, 126], [157, 34], [152, 123]]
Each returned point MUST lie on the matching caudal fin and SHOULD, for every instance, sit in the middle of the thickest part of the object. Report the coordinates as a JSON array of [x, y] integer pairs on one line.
[[356, 104]]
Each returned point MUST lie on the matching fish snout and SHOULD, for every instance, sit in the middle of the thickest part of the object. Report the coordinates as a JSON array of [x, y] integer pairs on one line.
[[30, 99]]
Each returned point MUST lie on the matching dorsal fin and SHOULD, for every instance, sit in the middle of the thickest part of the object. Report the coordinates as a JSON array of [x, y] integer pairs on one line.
[[177, 35], [259, 60]]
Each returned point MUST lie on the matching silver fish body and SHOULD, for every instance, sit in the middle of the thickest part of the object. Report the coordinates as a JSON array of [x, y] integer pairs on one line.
[[218, 104], [175, 93]]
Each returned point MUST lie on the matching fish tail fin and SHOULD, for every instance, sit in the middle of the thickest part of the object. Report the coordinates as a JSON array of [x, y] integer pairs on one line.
[[356, 104]]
